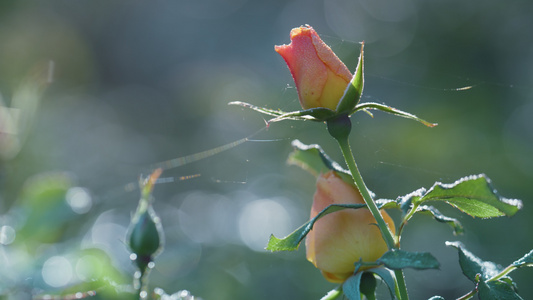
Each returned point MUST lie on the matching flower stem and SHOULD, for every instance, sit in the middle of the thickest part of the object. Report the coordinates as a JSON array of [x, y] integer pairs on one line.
[[469, 295], [340, 128], [400, 281], [358, 180]]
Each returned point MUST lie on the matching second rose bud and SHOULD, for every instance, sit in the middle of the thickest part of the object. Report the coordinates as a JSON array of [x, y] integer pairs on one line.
[[340, 239]]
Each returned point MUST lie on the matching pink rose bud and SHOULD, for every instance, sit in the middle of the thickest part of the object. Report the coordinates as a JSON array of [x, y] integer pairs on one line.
[[320, 76], [342, 238]]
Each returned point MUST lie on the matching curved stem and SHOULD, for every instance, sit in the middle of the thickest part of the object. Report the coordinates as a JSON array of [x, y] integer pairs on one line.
[[404, 222], [358, 180], [342, 138], [469, 295], [503, 273]]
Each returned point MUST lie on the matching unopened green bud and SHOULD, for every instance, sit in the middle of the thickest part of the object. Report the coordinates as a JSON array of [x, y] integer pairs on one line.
[[145, 236]]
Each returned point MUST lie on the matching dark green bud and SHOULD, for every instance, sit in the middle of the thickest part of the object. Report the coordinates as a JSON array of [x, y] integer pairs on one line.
[[146, 234]]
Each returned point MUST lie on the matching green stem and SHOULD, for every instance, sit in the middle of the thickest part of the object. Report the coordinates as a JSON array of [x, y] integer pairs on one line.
[[469, 295], [358, 180], [140, 282], [404, 222], [503, 273], [400, 281], [340, 128]]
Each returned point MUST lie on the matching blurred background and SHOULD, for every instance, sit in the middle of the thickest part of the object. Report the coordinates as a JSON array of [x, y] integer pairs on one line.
[[137, 83]]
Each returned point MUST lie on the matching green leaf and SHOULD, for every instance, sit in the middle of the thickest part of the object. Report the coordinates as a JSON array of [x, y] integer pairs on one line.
[[400, 259], [351, 287], [17, 120], [386, 204], [388, 277], [368, 285], [491, 279], [333, 294], [473, 195], [44, 209], [353, 91], [362, 283], [372, 105], [438, 216], [496, 290], [99, 276], [472, 265], [313, 159], [292, 241], [406, 202], [526, 260]]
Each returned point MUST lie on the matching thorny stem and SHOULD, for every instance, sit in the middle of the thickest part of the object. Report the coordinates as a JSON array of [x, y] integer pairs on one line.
[[400, 281], [340, 129]]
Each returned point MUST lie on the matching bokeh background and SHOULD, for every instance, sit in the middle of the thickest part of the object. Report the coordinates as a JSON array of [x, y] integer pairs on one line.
[[140, 82]]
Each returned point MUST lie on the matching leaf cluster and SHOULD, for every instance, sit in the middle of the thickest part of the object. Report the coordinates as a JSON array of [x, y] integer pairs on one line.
[[473, 195]]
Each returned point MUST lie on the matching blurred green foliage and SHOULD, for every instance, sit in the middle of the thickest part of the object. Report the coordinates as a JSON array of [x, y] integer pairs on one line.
[[137, 83]]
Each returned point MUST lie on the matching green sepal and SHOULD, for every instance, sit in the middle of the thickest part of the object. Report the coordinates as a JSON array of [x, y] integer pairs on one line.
[[312, 159], [315, 161], [263, 110], [321, 114], [318, 114], [354, 90], [292, 241], [333, 294], [391, 110], [400, 259], [473, 195]]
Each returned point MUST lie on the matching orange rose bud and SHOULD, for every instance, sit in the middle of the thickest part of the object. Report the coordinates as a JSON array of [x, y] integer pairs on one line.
[[340, 239], [320, 76]]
